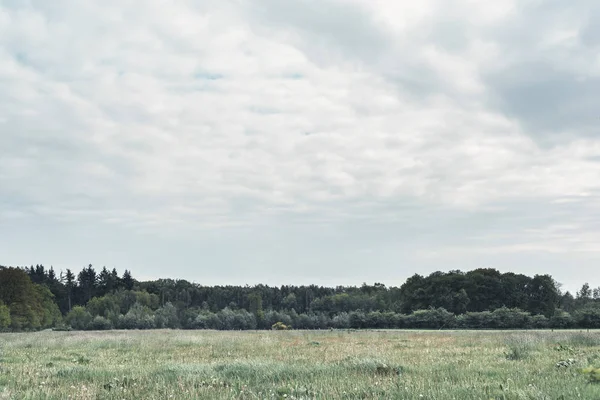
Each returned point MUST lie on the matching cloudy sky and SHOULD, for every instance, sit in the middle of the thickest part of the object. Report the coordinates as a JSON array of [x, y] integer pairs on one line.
[[301, 141]]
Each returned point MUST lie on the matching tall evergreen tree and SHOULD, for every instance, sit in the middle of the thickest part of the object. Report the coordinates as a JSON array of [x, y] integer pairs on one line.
[[87, 280], [128, 280], [51, 275], [70, 286]]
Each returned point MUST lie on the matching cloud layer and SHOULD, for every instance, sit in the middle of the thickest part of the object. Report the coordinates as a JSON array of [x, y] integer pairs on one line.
[[458, 130]]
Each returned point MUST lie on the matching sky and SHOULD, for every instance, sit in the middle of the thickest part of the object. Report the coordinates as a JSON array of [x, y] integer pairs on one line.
[[295, 142]]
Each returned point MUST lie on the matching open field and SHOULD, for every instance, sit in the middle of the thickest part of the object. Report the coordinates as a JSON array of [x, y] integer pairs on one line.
[[298, 364]]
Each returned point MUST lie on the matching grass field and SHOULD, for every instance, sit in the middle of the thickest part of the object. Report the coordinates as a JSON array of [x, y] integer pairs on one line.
[[298, 365]]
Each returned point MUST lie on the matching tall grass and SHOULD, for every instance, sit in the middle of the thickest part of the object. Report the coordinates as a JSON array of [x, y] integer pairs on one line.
[[521, 346], [296, 365]]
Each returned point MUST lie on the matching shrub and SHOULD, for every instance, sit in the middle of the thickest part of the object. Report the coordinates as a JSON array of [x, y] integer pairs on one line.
[[280, 326], [593, 374], [358, 320], [206, 320], [79, 318], [509, 318], [540, 322], [236, 320], [138, 317], [272, 317], [341, 321], [588, 318], [475, 320], [100, 324], [561, 320], [166, 317], [306, 321], [431, 319]]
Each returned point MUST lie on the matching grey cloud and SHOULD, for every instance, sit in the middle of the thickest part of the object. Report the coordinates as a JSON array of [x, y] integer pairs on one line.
[[546, 78], [590, 34], [549, 102]]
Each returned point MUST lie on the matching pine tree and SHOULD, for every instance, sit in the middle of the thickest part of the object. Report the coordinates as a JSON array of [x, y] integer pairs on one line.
[[51, 275], [70, 285], [87, 281], [128, 280]]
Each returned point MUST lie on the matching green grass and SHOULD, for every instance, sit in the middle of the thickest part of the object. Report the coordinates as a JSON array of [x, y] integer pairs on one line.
[[299, 365]]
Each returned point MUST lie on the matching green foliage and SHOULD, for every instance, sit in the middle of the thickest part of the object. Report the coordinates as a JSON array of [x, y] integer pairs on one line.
[[100, 324], [166, 317], [4, 316], [592, 374], [50, 313], [78, 318], [236, 320], [272, 317], [105, 306], [255, 303], [138, 317], [480, 290], [26, 303], [431, 319], [480, 299], [290, 302], [588, 318], [561, 320], [205, 320]]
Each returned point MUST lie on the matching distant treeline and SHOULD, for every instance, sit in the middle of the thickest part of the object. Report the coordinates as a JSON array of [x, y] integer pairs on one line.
[[34, 298]]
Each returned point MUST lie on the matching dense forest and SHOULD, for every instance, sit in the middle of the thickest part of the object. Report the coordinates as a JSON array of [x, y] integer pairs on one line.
[[33, 298]]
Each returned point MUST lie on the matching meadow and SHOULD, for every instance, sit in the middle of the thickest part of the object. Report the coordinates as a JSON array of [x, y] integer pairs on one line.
[[177, 364]]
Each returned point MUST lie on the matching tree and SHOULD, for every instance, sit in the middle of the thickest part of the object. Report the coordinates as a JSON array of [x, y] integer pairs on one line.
[[87, 280], [461, 301], [51, 276], [104, 282], [50, 315], [544, 296], [15, 286], [255, 306], [567, 302], [105, 306], [585, 293], [127, 280], [70, 285], [290, 302], [588, 318], [24, 300]]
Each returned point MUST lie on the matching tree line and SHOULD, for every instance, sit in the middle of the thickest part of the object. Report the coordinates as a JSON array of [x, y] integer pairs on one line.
[[33, 298]]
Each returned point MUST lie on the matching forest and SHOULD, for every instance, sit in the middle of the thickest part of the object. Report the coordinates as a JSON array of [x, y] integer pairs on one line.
[[36, 297]]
